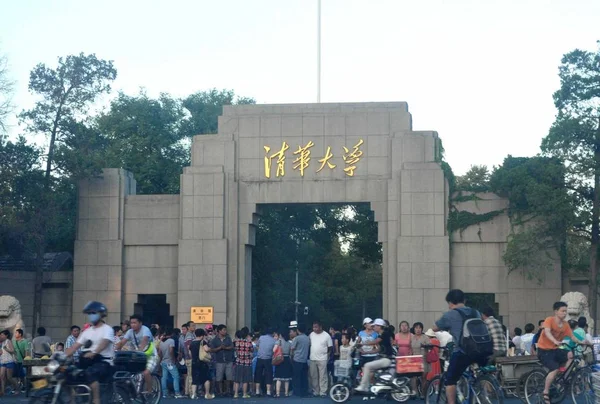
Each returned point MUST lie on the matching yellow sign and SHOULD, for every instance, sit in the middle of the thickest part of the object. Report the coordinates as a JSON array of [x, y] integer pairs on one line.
[[350, 156], [202, 314]]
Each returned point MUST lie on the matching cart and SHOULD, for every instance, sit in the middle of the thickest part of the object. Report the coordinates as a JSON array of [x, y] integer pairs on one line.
[[512, 373]]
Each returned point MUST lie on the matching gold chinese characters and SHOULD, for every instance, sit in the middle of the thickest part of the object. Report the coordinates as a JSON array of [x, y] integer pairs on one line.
[[351, 157]]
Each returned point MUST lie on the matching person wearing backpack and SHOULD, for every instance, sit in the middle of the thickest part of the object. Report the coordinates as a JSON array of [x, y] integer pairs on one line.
[[473, 341]]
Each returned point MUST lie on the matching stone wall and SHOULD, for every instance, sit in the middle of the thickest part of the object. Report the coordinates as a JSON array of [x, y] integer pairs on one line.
[[477, 267], [56, 299]]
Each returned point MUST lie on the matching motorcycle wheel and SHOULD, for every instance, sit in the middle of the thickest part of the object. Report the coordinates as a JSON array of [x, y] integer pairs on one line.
[[340, 393], [401, 394]]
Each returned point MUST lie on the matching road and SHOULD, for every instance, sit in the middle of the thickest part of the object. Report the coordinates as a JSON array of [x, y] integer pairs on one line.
[[23, 399]]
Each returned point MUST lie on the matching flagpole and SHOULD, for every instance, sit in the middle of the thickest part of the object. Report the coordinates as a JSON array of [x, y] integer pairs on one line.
[[318, 51]]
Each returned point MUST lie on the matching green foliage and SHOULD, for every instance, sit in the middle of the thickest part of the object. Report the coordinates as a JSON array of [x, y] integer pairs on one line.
[[461, 219], [145, 136], [334, 284], [205, 107], [65, 94], [540, 210], [475, 180], [574, 138]]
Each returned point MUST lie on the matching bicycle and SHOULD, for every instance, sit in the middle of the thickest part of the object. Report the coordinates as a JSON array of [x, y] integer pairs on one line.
[[575, 379], [479, 383]]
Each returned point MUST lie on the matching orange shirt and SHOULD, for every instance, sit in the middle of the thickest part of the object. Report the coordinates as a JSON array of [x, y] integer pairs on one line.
[[559, 333]]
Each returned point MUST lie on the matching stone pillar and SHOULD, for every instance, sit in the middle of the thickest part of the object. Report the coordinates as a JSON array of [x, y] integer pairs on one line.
[[422, 246], [203, 274], [98, 260]]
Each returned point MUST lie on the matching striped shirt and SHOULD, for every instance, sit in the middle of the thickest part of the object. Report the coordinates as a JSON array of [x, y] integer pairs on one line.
[[497, 334]]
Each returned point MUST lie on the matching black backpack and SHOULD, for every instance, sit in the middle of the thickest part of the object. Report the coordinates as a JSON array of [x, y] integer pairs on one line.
[[475, 339]]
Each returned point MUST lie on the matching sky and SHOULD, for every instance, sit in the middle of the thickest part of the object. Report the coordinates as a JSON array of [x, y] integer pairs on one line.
[[480, 73]]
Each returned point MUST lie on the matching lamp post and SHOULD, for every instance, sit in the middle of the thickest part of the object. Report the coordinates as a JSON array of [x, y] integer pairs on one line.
[[318, 51]]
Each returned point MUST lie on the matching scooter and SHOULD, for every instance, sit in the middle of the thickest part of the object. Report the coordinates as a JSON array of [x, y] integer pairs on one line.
[[387, 384]]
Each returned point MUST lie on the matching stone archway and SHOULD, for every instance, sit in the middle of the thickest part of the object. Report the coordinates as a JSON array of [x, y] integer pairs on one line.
[[387, 165]]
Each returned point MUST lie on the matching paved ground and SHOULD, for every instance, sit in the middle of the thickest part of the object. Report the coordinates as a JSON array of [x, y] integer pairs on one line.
[[23, 399]]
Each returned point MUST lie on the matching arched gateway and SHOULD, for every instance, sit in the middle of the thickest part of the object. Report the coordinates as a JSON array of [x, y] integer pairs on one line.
[[195, 248]]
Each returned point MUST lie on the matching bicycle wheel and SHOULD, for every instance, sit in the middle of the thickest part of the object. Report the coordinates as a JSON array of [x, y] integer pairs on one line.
[[534, 387], [120, 396], [436, 392], [156, 395], [486, 388], [582, 388]]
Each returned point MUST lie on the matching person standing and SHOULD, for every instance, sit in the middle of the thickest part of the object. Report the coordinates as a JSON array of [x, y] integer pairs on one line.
[[7, 363], [72, 339], [283, 371], [243, 363], [167, 361], [21, 347], [403, 339], [200, 368], [222, 347], [527, 339], [184, 345], [321, 346], [299, 353], [264, 367]]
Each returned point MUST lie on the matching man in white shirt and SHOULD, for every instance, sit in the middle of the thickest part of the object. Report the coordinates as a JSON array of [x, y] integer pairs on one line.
[[321, 347], [97, 358]]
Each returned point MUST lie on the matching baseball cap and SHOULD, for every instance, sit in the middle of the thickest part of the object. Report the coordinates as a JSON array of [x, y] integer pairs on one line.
[[379, 321], [293, 324], [430, 333], [367, 320]]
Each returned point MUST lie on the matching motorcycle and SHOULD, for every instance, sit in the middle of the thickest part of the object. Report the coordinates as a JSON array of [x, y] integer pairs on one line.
[[68, 383]]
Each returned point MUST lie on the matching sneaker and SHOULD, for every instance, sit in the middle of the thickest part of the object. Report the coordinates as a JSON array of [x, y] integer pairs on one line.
[[178, 396], [361, 389], [209, 396], [246, 396], [236, 395]]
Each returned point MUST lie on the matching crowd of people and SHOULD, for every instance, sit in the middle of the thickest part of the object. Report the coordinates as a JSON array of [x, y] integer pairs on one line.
[[211, 361]]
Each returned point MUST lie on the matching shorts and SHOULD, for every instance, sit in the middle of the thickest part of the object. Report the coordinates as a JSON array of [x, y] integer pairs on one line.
[[459, 362], [9, 365], [553, 359], [224, 369], [151, 363], [98, 372]]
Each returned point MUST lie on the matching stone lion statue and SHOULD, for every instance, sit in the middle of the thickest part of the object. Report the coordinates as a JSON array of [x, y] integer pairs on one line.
[[578, 306], [10, 314]]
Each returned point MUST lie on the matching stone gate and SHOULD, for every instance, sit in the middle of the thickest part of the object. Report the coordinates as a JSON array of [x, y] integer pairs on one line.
[[196, 248]]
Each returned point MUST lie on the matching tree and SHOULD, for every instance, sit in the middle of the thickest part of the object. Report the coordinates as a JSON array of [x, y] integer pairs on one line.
[[21, 177], [145, 136], [65, 96], [6, 90], [540, 210], [475, 180], [575, 139], [205, 107]]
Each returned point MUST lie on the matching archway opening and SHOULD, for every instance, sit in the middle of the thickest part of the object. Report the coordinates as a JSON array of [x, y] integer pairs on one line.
[[328, 253], [154, 309]]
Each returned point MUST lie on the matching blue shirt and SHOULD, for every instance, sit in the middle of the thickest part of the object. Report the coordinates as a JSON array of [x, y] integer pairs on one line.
[[265, 344], [364, 337]]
